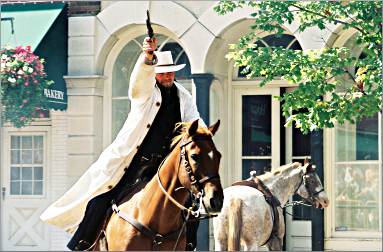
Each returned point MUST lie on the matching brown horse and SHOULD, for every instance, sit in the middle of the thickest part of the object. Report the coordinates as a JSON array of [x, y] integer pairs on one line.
[[153, 219]]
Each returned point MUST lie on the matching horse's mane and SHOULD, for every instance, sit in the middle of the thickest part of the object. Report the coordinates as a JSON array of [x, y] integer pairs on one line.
[[182, 128], [279, 170]]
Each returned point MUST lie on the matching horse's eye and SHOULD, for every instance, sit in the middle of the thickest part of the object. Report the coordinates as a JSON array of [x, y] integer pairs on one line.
[[195, 157]]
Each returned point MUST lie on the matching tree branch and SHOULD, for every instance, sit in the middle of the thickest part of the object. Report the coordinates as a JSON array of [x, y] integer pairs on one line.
[[336, 20]]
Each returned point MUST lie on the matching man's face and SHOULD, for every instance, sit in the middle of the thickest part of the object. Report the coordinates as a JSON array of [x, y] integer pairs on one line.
[[165, 79]]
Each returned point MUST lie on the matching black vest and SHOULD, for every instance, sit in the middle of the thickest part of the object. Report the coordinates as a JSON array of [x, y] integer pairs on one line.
[[156, 144]]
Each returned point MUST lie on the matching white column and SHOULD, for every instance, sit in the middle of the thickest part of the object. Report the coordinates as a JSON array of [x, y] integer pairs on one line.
[[58, 171]]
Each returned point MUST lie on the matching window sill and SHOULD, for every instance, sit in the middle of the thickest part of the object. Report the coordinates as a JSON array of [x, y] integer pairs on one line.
[[353, 244]]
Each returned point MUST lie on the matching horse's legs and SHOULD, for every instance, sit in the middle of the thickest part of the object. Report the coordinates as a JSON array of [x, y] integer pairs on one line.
[[251, 246], [220, 245], [220, 234]]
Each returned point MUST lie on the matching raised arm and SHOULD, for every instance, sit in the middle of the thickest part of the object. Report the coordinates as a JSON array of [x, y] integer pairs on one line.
[[142, 80]]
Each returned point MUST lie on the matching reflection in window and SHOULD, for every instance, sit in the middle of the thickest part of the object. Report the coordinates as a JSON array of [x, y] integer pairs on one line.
[[256, 125], [123, 68], [357, 176], [260, 166], [26, 170]]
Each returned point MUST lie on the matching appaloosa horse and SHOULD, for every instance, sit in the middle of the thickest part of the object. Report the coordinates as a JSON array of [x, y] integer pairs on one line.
[[253, 217], [154, 218]]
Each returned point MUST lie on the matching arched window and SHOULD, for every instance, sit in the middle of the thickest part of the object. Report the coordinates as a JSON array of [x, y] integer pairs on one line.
[[123, 68], [274, 40]]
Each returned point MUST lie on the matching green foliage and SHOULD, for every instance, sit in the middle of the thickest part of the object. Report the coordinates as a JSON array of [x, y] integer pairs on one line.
[[318, 73]]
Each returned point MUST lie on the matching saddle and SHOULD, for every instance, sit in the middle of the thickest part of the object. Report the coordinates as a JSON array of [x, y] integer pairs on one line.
[[123, 196], [256, 183]]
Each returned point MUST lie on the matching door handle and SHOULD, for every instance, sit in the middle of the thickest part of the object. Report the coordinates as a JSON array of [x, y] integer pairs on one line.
[[3, 189]]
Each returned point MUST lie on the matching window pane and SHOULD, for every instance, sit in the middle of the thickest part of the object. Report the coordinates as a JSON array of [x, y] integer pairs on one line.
[[38, 142], [15, 187], [120, 110], [256, 125], [26, 187], [15, 142], [357, 197], [367, 145], [258, 165], [123, 68], [26, 173], [15, 173], [38, 156], [26, 142], [15, 157], [38, 173], [26, 156], [38, 188], [357, 141], [301, 142]]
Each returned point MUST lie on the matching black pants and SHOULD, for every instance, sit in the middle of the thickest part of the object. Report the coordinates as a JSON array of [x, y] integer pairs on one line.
[[96, 210]]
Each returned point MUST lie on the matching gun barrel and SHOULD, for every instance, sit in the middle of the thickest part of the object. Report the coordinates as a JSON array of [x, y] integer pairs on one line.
[[149, 25]]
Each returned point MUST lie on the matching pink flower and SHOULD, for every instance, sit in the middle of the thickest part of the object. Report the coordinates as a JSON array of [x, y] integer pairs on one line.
[[41, 115], [26, 84], [25, 101]]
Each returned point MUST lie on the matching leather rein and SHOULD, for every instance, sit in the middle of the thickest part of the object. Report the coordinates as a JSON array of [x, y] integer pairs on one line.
[[157, 238]]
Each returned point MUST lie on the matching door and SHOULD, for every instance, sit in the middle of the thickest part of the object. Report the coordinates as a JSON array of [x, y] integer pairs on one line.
[[256, 127], [298, 218], [23, 196]]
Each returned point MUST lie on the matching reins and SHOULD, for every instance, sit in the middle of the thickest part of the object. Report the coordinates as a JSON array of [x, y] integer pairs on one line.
[[159, 238]]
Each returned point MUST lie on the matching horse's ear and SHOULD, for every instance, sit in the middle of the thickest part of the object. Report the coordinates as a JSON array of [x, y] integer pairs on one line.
[[214, 127], [193, 128], [308, 167]]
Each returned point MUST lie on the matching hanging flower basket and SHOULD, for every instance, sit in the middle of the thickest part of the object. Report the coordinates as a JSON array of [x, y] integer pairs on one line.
[[23, 80]]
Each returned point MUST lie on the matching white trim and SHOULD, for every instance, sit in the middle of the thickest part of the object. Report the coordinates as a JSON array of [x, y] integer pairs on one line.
[[332, 236], [256, 157], [5, 169], [349, 244], [275, 121]]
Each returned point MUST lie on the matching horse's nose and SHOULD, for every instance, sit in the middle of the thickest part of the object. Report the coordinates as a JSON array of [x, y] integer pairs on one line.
[[326, 202]]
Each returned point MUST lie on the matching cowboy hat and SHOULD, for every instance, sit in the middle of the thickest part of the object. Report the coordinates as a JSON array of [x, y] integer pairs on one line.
[[165, 63]]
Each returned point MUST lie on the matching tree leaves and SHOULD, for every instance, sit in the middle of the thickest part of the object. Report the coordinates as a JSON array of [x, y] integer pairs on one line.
[[318, 73]]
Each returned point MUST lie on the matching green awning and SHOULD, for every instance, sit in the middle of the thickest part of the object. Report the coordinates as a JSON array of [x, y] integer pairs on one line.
[[30, 23]]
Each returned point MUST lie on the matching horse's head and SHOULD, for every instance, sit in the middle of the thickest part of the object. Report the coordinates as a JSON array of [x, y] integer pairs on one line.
[[200, 166], [311, 188]]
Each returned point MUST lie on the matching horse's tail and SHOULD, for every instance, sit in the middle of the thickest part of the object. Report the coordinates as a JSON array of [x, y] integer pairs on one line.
[[235, 224]]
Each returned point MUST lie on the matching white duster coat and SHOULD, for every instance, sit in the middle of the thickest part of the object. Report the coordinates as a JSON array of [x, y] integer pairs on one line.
[[68, 211]]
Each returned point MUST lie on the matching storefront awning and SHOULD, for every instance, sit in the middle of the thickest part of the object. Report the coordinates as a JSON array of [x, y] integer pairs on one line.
[[28, 24]]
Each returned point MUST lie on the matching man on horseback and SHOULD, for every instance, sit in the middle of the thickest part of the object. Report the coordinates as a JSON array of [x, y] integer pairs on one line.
[[157, 104]]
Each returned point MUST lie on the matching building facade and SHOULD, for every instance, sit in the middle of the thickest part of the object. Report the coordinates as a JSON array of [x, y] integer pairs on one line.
[[102, 49]]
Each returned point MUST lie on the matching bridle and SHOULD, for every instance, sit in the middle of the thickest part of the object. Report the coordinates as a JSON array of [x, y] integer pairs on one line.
[[158, 239], [196, 184], [312, 193]]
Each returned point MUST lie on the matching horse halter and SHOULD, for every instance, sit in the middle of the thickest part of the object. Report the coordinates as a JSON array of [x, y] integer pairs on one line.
[[309, 186], [195, 184]]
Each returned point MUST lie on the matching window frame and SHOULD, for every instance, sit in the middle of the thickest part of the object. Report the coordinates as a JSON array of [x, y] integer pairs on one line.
[[330, 161], [6, 171]]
